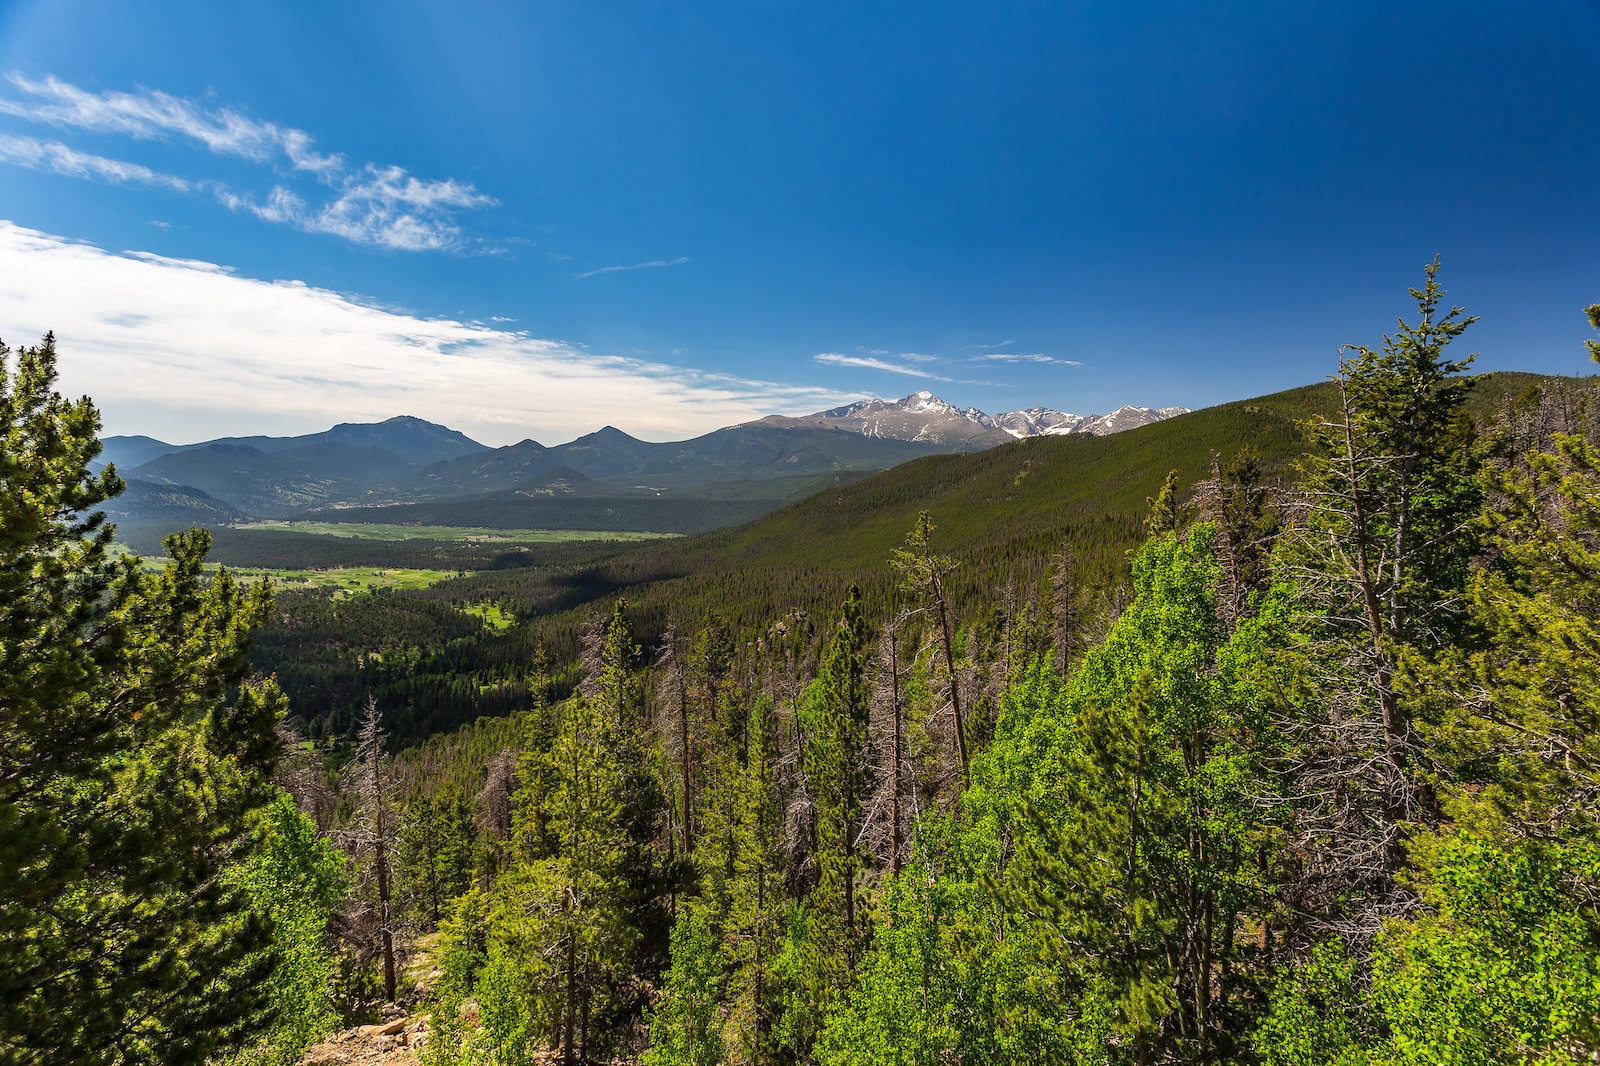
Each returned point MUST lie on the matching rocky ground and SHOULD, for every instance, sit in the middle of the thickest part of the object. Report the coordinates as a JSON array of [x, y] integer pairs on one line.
[[392, 1042]]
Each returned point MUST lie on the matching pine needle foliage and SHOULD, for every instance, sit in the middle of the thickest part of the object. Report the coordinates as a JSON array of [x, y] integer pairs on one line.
[[129, 779]]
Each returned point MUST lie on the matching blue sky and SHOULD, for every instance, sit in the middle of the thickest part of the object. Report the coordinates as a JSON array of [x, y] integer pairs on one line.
[[537, 219]]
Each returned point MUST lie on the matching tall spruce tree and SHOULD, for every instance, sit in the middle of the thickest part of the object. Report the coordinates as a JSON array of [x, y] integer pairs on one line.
[[1379, 562], [839, 769], [128, 776]]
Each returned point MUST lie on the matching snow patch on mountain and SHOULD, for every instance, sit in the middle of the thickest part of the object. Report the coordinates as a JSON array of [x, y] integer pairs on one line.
[[922, 416]]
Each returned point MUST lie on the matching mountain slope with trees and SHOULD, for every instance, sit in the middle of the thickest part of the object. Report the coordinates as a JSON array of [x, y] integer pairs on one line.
[[1310, 776]]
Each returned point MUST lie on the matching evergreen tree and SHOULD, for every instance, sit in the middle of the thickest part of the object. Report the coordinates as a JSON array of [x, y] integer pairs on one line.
[[758, 905], [437, 849], [128, 777], [1237, 502], [571, 937], [1165, 516], [1378, 563], [838, 769], [532, 836], [923, 575]]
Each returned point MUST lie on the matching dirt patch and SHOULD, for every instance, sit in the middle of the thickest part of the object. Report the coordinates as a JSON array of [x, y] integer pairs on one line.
[[394, 1042]]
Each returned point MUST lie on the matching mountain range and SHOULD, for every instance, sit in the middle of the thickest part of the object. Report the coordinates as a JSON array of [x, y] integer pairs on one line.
[[924, 417], [406, 461]]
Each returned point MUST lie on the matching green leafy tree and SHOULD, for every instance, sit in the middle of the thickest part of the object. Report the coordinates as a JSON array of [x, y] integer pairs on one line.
[[461, 952], [952, 977], [299, 878], [1503, 967], [128, 777], [1128, 801]]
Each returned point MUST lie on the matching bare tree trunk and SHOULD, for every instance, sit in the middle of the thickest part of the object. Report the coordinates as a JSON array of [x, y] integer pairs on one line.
[[948, 641], [385, 928], [688, 780], [899, 750], [375, 789], [568, 1047]]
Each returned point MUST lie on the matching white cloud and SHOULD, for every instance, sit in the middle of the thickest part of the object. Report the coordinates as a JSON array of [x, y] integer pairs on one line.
[[381, 206], [56, 158], [186, 350], [870, 363], [682, 259], [1019, 357], [147, 114], [377, 205]]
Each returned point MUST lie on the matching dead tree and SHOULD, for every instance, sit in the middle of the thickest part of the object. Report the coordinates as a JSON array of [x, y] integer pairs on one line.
[[371, 779], [888, 816]]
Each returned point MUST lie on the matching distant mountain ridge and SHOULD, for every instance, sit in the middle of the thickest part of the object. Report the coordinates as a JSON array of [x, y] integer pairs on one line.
[[414, 441], [924, 417], [405, 461]]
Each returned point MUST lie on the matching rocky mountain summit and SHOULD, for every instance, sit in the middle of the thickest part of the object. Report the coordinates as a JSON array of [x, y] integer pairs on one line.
[[924, 417], [1037, 421]]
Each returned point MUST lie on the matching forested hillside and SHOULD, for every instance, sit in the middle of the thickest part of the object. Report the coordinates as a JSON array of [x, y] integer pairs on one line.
[[1318, 789], [1008, 515], [1261, 735]]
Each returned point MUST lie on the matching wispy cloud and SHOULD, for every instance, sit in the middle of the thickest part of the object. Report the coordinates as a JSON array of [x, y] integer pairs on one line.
[[147, 114], [380, 206], [187, 350], [377, 205], [56, 158], [1019, 357], [992, 347], [682, 259], [874, 363]]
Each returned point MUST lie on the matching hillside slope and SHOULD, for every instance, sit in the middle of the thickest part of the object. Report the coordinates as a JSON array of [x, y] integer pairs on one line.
[[1003, 512]]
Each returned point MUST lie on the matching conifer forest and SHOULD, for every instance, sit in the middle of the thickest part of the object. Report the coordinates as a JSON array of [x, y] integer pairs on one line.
[[1265, 735]]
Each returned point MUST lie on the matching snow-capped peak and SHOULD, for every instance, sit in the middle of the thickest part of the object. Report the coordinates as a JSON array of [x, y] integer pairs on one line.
[[924, 416]]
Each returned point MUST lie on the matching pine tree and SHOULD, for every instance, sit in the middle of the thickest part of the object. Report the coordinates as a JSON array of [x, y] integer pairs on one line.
[[759, 904], [532, 837], [923, 575], [1165, 514], [838, 768], [128, 778], [1379, 561]]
